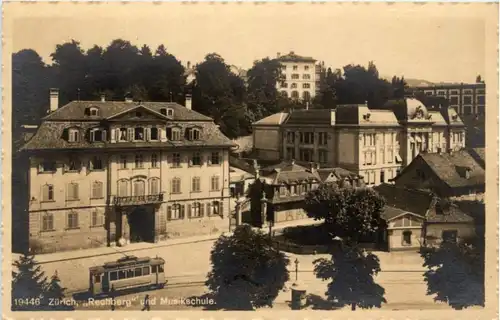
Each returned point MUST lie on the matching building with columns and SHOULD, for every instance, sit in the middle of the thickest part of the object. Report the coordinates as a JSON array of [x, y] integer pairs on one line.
[[374, 143], [114, 172]]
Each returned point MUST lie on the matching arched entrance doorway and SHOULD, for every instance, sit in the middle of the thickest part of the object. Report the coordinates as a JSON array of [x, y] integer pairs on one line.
[[141, 222]]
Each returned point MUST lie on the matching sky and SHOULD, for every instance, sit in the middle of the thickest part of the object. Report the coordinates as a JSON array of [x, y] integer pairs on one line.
[[431, 42]]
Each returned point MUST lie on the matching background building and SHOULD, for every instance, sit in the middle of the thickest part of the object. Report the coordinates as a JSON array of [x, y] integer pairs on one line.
[[103, 172], [299, 76], [375, 143], [467, 99]]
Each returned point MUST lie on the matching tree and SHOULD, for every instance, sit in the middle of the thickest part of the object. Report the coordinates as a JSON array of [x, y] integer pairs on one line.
[[456, 274], [399, 87], [329, 81], [350, 213], [247, 272], [220, 94], [54, 295], [262, 93], [351, 271], [28, 284]]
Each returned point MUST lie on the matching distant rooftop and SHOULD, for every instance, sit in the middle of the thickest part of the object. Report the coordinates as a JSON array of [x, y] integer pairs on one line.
[[292, 57]]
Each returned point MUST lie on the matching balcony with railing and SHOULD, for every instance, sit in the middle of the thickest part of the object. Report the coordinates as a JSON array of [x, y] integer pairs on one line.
[[137, 200]]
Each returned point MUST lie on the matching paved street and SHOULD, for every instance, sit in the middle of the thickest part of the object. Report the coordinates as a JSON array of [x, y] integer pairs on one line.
[[188, 264]]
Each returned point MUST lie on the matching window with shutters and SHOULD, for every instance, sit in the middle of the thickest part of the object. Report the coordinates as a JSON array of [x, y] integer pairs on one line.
[[97, 191], [154, 161], [176, 160], [47, 221], [47, 166], [215, 208], [48, 192], [139, 163], [175, 186], [123, 161], [153, 134], [194, 134], [72, 193], [174, 134], [154, 186], [196, 184], [72, 220], [175, 212], [123, 134], [96, 163], [215, 158], [123, 188], [195, 159], [139, 188], [214, 183], [97, 219], [196, 210]]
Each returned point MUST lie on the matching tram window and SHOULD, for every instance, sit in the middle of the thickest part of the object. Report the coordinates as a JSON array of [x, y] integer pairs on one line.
[[130, 273], [122, 274], [97, 278], [160, 268], [138, 272], [145, 271], [153, 269], [113, 276]]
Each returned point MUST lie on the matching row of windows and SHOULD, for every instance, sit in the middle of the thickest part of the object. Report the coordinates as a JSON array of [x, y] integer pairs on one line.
[[135, 134], [307, 155], [295, 67], [296, 189], [96, 163], [294, 85], [73, 191], [296, 76], [194, 210], [307, 137], [453, 92], [306, 95], [72, 220]]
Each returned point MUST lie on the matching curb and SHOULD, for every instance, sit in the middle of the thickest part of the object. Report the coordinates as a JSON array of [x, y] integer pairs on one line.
[[124, 251]]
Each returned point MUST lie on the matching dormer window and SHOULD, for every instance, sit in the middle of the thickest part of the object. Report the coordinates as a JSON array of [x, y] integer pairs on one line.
[[193, 134], [139, 134], [97, 135], [174, 134], [170, 112], [92, 111], [123, 134], [163, 111], [366, 117], [73, 135], [153, 135]]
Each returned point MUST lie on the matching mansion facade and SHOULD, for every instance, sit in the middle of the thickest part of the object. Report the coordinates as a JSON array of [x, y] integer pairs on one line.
[[300, 77], [374, 143], [114, 172]]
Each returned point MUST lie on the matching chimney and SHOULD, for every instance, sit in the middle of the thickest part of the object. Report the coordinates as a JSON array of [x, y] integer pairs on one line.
[[54, 99], [314, 166], [129, 99], [188, 102], [103, 97], [189, 65]]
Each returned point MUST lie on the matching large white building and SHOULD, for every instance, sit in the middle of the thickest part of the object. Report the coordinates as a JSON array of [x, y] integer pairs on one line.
[[299, 76]]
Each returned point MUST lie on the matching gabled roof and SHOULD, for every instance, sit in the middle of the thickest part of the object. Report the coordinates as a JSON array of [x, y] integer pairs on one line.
[[415, 201], [451, 167], [241, 164], [75, 110], [292, 57], [337, 174], [361, 115], [400, 200], [273, 120]]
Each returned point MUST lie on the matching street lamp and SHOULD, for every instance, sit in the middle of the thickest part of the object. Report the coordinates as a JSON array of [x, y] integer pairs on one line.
[[296, 269]]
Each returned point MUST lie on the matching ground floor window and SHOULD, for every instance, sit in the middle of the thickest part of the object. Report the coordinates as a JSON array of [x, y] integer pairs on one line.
[[406, 238], [47, 222], [175, 212], [72, 222], [449, 235]]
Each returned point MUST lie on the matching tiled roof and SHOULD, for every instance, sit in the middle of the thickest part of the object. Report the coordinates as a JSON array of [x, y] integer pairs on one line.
[[289, 173], [338, 173], [315, 116], [50, 136], [450, 167], [274, 119], [75, 110], [414, 201], [361, 115], [423, 203], [292, 57]]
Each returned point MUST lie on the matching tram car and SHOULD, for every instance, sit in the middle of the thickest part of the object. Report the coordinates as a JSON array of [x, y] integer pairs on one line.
[[127, 273]]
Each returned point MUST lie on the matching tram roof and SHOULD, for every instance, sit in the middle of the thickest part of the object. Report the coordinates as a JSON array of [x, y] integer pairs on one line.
[[127, 261]]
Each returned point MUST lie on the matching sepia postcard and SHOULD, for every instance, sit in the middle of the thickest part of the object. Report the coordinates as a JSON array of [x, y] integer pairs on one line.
[[297, 160]]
